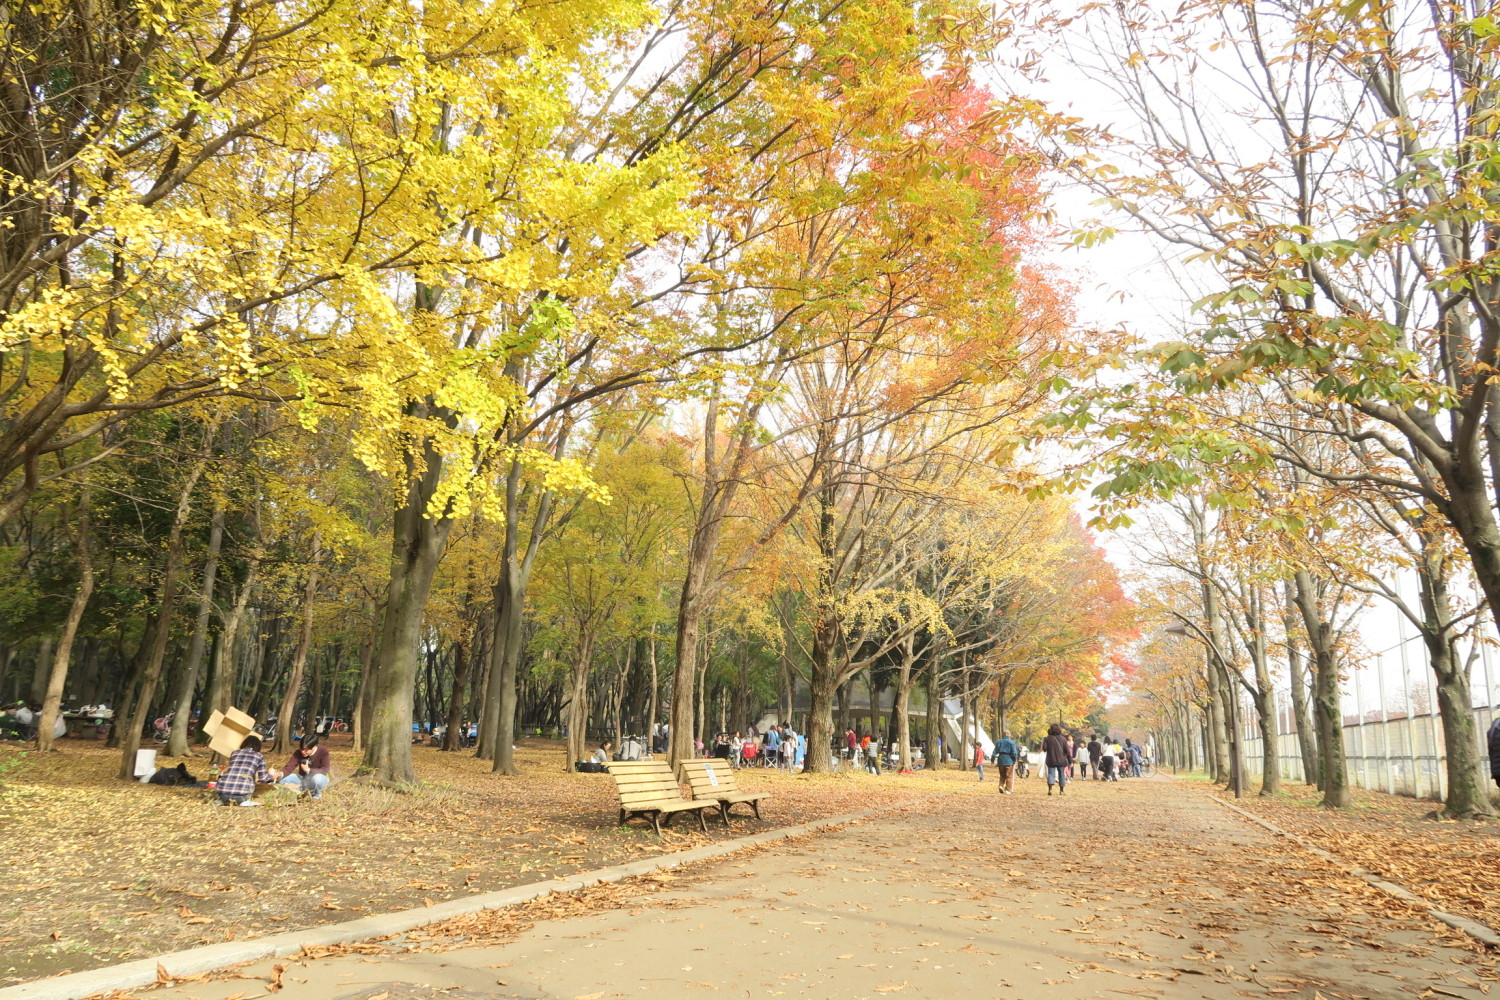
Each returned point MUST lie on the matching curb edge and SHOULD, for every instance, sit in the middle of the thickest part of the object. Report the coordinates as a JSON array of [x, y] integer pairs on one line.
[[1482, 933], [206, 958]]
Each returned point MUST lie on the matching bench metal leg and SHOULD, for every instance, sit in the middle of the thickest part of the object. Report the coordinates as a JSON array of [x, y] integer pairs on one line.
[[703, 823], [755, 804], [724, 813], [656, 821]]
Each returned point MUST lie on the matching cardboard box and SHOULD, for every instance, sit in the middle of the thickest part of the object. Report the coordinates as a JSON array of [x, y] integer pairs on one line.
[[227, 730]]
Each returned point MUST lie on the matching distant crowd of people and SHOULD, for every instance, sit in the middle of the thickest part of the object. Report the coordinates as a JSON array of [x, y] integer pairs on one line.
[[1066, 756]]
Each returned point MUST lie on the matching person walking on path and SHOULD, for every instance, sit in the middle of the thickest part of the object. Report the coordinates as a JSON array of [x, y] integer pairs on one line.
[[1081, 758], [872, 755], [1006, 754], [1055, 747], [1133, 757], [1109, 762], [979, 760]]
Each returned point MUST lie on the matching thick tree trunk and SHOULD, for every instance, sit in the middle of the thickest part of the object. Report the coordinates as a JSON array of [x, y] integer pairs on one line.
[[417, 543], [287, 712], [52, 697], [1468, 785], [1326, 701], [187, 684], [819, 756], [1265, 711]]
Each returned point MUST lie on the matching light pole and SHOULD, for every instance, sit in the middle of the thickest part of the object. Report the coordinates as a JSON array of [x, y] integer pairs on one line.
[[1236, 779]]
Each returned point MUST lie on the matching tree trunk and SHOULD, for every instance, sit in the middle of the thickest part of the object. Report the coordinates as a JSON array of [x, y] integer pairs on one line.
[[417, 543], [685, 670], [898, 709], [1468, 785], [41, 669], [130, 738], [187, 684], [226, 666], [364, 694], [653, 702], [1307, 744], [578, 704], [934, 712], [52, 697], [1265, 711], [284, 717], [1218, 730], [456, 699], [1326, 702], [819, 736], [497, 734]]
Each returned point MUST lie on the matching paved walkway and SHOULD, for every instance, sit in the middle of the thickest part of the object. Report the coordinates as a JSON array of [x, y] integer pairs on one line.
[[1137, 889]]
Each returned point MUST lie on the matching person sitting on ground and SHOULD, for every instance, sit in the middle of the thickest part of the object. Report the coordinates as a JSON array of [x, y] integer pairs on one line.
[[308, 768], [173, 777], [246, 767], [603, 754]]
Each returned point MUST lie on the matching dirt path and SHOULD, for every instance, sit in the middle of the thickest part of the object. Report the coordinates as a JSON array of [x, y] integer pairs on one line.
[[1141, 888]]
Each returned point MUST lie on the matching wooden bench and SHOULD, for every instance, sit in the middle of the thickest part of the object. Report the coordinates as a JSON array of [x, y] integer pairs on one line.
[[712, 779], [649, 790]]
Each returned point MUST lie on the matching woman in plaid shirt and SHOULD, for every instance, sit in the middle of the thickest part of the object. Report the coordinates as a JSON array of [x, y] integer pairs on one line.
[[246, 766]]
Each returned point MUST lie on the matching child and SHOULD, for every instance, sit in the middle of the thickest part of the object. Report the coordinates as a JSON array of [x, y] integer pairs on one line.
[[979, 759]]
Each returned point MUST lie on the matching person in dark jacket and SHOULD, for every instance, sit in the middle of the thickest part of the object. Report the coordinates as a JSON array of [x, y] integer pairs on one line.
[[1096, 754], [1494, 742], [308, 768], [1055, 747]]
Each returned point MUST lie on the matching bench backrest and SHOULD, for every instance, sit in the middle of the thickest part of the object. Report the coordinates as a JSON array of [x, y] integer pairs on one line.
[[642, 782], [709, 777]]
